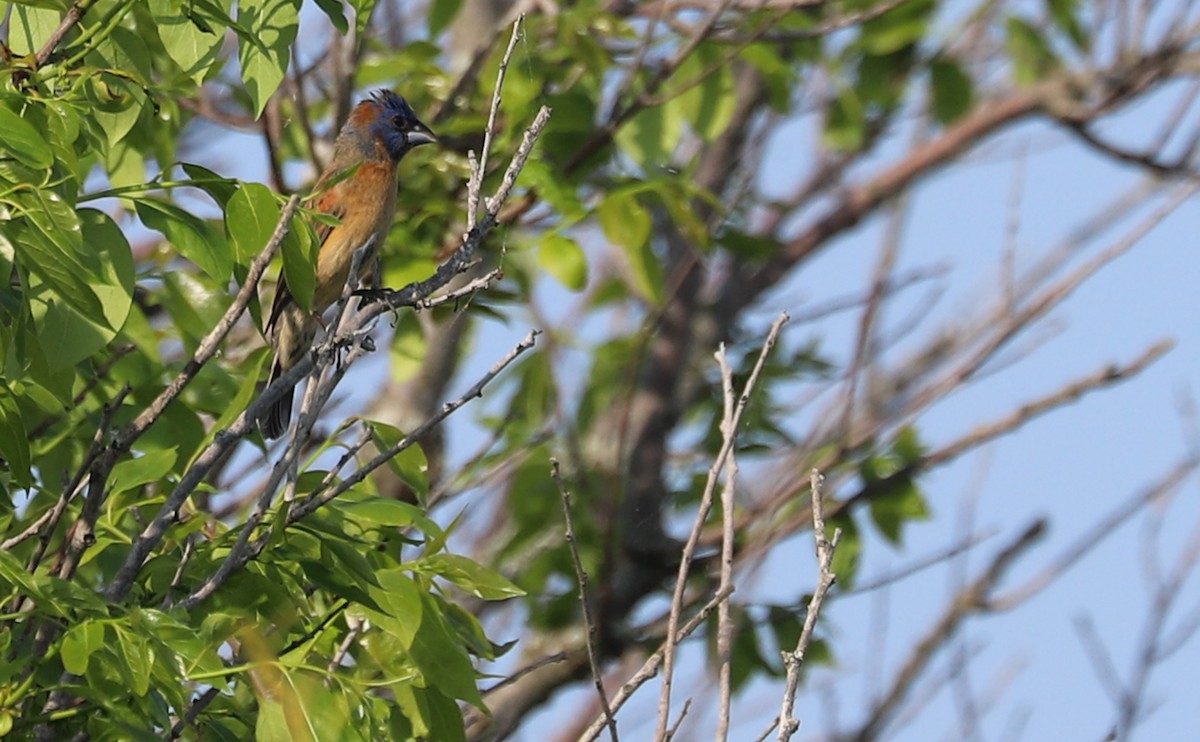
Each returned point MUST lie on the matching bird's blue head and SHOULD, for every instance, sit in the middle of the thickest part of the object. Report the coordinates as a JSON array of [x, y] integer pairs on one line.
[[390, 121]]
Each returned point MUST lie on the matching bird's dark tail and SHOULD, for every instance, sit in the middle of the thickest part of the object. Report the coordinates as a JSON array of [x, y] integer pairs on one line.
[[274, 421]]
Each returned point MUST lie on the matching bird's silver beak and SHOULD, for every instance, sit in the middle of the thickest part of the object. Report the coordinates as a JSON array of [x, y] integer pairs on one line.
[[421, 134]]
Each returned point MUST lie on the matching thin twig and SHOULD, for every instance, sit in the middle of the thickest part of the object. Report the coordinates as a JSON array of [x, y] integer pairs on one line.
[[356, 628], [976, 597], [729, 428], [724, 617], [650, 667], [794, 660], [687, 706], [70, 18], [476, 183], [531, 667], [193, 711], [189, 545], [588, 621]]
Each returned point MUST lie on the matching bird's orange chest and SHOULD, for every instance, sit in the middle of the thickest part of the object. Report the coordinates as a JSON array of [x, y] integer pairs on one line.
[[366, 204]]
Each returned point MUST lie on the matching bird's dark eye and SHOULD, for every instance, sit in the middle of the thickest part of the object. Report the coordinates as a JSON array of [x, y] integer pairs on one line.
[[399, 122]]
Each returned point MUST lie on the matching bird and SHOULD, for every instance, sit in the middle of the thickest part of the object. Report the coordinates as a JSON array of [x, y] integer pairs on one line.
[[378, 133]]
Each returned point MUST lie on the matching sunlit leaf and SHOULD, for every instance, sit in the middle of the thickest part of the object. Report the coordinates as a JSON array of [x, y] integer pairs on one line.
[[471, 576], [22, 140], [193, 47], [194, 238], [264, 52], [1031, 56], [79, 643], [149, 467], [563, 258]]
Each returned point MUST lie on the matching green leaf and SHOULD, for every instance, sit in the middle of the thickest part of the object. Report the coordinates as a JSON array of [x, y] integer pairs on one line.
[[293, 707], [147, 468], [123, 49], [1031, 55], [707, 106], [907, 447], [471, 576], [68, 335], [441, 15], [626, 223], [952, 90], [246, 391], [250, 218], [362, 13], [409, 347], [651, 136], [563, 258], [80, 642], [337, 582], [116, 107], [341, 553], [849, 549], [139, 658], [300, 248], [410, 465], [333, 9], [902, 26], [14, 438], [30, 27], [900, 503], [1065, 15], [264, 51], [13, 572], [49, 243], [445, 718], [387, 513], [748, 247], [190, 46], [194, 238], [221, 189], [845, 122], [22, 139], [399, 598], [442, 659]]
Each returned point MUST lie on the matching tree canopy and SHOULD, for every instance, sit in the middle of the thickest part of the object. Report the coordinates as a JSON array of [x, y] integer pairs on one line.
[[548, 480]]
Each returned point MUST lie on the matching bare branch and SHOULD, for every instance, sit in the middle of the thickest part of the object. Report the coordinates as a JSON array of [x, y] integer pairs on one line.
[[976, 597], [650, 667], [729, 438], [724, 618], [478, 171], [794, 660], [589, 623]]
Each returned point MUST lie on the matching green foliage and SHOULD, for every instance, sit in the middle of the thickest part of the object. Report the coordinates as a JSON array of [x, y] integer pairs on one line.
[[563, 258], [1032, 56], [89, 338], [952, 90], [891, 482]]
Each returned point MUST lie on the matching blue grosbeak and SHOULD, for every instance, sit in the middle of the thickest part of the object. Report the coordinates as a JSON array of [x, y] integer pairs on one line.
[[379, 132]]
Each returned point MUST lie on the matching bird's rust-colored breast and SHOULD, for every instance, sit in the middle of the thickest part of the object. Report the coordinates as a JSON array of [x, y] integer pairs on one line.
[[367, 203]]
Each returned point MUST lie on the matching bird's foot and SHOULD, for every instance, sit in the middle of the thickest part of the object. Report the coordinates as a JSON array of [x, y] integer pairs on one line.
[[371, 295]]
